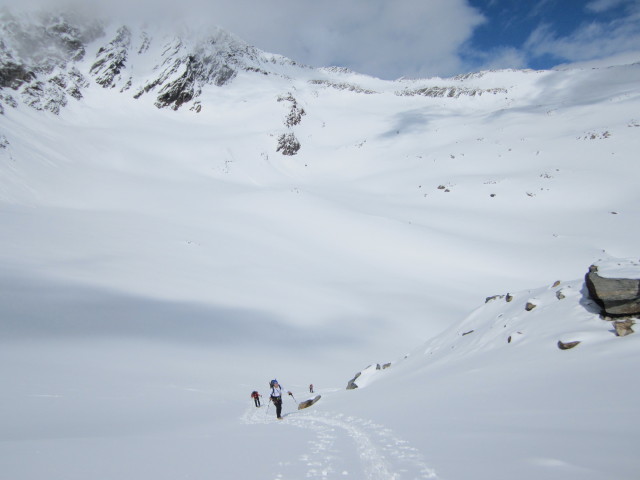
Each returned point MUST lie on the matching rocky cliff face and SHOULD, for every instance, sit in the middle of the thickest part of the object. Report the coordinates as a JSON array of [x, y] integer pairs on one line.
[[182, 68], [38, 58], [46, 59]]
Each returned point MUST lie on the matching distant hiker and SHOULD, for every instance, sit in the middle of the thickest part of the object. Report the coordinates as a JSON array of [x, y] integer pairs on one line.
[[311, 388], [256, 398], [276, 397]]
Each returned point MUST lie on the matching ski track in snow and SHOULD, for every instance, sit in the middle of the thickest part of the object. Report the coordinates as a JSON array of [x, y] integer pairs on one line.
[[383, 456]]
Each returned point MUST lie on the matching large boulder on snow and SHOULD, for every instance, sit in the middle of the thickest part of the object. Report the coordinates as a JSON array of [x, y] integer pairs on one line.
[[618, 295], [352, 385], [308, 403]]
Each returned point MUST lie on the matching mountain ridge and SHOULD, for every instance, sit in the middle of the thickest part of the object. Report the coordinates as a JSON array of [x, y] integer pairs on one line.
[[47, 58]]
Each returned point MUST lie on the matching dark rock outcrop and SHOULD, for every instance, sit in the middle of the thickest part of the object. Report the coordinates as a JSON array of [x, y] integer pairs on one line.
[[288, 144], [294, 117], [38, 56], [617, 296], [493, 297], [342, 86], [112, 58], [13, 75], [450, 92], [352, 385]]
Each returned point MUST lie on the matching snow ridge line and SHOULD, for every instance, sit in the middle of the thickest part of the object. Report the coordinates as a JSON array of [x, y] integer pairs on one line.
[[383, 455]]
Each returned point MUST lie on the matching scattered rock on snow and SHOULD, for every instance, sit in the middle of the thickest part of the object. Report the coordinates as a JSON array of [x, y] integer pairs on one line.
[[568, 345], [494, 297], [530, 306], [365, 376], [623, 327]]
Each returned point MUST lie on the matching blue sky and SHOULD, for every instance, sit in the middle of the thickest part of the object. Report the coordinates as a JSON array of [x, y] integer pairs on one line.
[[412, 38], [511, 22], [527, 25]]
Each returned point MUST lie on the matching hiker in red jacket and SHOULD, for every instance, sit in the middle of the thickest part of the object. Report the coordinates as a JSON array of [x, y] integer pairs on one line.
[[256, 398]]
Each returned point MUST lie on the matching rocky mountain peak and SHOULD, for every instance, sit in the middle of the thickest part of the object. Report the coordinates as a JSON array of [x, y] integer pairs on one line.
[[46, 58]]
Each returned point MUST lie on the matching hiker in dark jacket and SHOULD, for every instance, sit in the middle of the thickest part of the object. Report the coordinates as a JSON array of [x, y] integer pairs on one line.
[[276, 397], [256, 398]]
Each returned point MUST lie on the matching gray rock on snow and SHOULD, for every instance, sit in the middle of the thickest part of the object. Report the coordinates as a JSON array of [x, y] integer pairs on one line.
[[308, 403], [623, 327], [492, 298], [352, 385], [567, 345], [617, 296]]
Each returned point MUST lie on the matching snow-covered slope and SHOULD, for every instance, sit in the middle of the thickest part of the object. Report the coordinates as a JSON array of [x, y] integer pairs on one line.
[[185, 217], [495, 397]]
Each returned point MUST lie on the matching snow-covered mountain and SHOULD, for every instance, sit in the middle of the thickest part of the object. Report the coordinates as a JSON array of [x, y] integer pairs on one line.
[[185, 217], [45, 61]]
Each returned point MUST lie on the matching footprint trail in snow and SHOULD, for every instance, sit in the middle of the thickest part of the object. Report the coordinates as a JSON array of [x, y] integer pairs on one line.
[[339, 438]]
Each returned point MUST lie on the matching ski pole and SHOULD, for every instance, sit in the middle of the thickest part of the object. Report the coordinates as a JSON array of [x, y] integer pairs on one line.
[[294, 398]]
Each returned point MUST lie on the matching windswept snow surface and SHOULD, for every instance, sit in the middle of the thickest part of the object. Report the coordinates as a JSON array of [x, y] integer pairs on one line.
[[158, 265]]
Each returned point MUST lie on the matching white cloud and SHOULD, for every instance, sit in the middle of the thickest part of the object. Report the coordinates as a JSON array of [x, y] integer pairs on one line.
[[599, 6], [501, 58], [379, 37], [591, 41]]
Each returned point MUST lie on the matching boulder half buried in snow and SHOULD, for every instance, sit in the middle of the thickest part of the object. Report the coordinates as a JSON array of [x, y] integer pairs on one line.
[[308, 403]]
